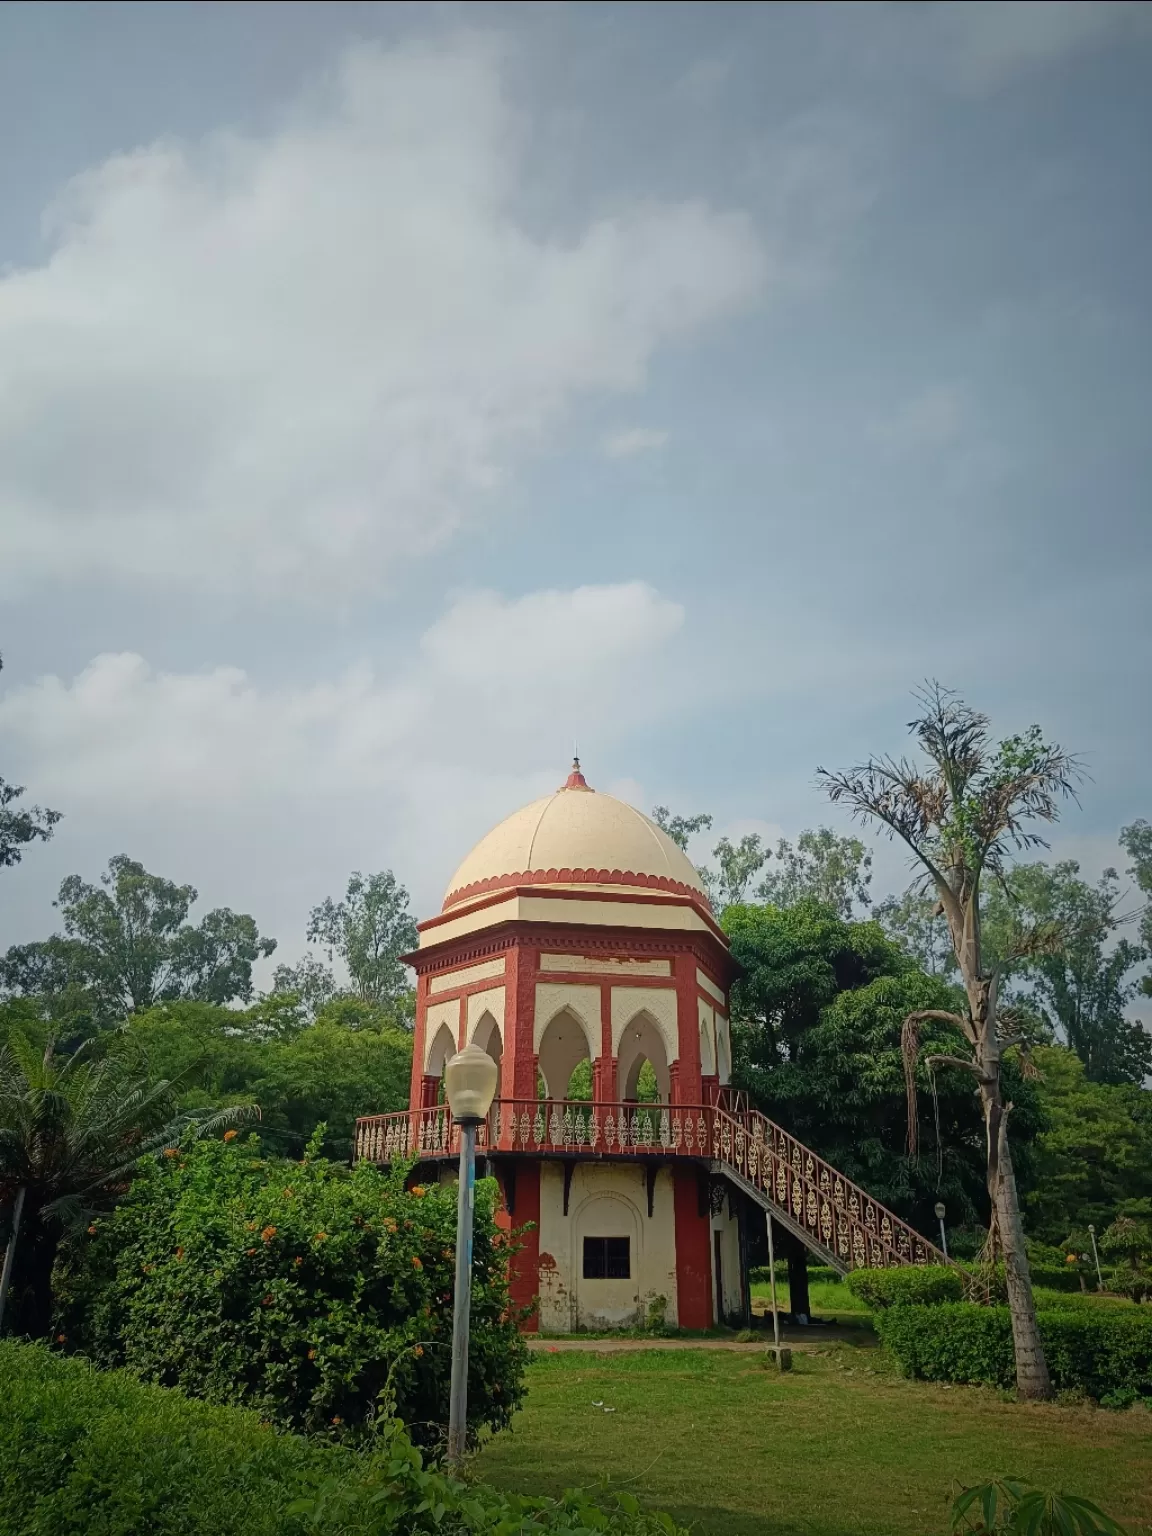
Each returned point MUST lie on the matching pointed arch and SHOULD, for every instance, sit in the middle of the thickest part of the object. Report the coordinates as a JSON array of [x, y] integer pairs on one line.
[[565, 1042], [443, 1046], [486, 1034], [642, 1040]]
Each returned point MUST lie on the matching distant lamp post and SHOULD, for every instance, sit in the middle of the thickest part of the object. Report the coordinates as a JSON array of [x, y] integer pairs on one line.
[[470, 1080], [1096, 1257], [940, 1219]]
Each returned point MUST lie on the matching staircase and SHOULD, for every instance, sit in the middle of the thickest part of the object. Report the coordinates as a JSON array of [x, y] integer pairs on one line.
[[840, 1222]]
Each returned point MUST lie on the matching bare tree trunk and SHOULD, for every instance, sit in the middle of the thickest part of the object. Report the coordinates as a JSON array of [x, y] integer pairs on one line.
[[10, 1252], [1032, 1379]]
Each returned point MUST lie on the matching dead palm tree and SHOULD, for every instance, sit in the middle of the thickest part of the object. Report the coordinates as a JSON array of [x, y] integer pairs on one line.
[[962, 814], [72, 1130]]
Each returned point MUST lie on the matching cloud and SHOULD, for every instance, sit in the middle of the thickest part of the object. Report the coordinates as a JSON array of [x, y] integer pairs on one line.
[[286, 364], [404, 760], [624, 445], [926, 421], [991, 42], [703, 81]]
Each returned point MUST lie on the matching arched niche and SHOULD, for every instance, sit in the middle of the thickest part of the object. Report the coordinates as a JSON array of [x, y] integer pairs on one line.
[[707, 1044], [443, 1046], [723, 1051], [642, 1040], [563, 1044], [486, 1035]]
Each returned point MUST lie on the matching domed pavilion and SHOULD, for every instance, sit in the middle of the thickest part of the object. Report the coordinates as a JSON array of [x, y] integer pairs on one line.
[[576, 945]]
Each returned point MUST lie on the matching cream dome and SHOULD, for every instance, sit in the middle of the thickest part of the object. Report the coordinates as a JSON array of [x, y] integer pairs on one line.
[[575, 836]]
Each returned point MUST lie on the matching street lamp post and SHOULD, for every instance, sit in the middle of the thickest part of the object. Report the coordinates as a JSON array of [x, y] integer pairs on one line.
[[940, 1219], [470, 1079], [1096, 1256]]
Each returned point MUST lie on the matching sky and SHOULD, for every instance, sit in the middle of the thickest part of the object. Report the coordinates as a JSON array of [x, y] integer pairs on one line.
[[392, 397]]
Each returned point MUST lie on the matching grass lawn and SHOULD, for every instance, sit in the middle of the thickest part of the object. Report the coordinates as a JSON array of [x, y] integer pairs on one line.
[[839, 1447]]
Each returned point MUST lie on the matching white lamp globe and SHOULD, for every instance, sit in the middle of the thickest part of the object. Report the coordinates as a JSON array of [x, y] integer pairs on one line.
[[470, 1080]]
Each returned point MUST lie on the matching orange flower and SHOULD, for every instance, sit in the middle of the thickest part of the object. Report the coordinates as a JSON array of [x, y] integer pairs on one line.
[[171, 1151], [390, 1224], [419, 1350], [92, 1231], [268, 1234], [249, 1251], [268, 1300], [231, 1135], [297, 1261], [417, 1190], [320, 1237], [337, 1420], [179, 1253], [417, 1262], [59, 1338], [311, 1354]]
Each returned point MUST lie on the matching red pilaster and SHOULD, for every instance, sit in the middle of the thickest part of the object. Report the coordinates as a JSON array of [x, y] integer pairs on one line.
[[693, 1255], [524, 1278], [687, 1081], [420, 1026]]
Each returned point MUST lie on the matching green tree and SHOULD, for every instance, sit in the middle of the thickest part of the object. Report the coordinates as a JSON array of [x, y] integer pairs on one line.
[[680, 828], [20, 826], [128, 944], [72, 1132], [962, 813], [369, 930], [835, 871], [309, 980], [1136, 841], [1081, 979], [916, 923], [738, 865], [816, 1027], [1092, 1158]]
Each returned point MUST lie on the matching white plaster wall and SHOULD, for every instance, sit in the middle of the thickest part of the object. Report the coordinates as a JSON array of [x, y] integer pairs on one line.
[[480, 1003], [584, 1002], [453, 979], [706, 984], [659, 1002], [723, 1049], [729, 1230], [707, 1038], [605, 1200], [607, 966], [440, 1013]]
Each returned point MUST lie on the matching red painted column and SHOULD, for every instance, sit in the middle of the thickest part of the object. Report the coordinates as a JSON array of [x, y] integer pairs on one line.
[[420, 1025], [604, 1069], [688, 1029], [693, 1254], [524, 1279], [519, 1065]]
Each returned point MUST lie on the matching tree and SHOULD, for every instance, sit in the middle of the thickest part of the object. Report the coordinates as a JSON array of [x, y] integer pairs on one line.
[[915, 922], [1136, 841], [127, 942], [961, 815], [72, 1131], [680, 828], [309, 980], [1080, 980], [739, 865], [835, 871], [20, 827], [369, 930], [816, 1023], [1092, 1159]]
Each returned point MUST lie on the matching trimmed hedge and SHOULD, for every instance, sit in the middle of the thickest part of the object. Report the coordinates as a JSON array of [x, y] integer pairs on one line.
[[908, 1286], [1105, 1353], [91, 1453]]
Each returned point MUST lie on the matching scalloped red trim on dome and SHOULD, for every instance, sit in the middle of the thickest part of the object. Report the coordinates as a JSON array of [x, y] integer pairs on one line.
[[575, 877]]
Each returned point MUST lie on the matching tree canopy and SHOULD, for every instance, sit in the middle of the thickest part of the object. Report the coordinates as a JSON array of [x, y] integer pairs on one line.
[[369, 930], [21, 825]]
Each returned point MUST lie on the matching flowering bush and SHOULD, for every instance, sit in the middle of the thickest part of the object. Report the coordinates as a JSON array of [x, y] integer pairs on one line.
[[293, 1288]]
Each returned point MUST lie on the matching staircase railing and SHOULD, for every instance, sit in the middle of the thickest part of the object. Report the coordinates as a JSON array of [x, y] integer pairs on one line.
[[785, 1177]]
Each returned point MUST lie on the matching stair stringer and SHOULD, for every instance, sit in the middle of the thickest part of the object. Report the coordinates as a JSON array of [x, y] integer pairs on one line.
[[786, 1220]]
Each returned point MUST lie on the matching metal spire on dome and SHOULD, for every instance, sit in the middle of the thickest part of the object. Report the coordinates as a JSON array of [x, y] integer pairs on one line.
[[576, 779]]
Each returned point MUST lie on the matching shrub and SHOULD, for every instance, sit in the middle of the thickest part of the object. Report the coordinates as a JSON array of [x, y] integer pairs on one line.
[[1102, 1353], [85, 1451], [759, 1275], [907, 1286], [292, 1288]]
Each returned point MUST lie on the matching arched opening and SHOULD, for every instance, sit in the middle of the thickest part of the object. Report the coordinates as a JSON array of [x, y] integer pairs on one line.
[[443, 1046], [487, 1036], [563, 1046], [642, 1062], [707, 1050]]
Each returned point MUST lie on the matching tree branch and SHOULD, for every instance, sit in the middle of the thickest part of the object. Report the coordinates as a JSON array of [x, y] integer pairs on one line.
[[953, 1061]]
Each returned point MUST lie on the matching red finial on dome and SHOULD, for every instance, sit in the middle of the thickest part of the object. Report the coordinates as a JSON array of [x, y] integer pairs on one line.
[[576, 779]]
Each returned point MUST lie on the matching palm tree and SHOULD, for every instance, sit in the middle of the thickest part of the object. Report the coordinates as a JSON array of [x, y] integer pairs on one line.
[[72, 1130], [961, 815]]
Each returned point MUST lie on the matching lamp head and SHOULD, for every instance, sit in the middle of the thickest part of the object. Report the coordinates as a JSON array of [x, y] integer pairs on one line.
[[470, 1080], [939, 1210]]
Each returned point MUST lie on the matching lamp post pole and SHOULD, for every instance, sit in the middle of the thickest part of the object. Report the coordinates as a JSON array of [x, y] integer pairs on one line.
[[940, 1219], [469, 1085], [462, 1307], [1096, 1256]]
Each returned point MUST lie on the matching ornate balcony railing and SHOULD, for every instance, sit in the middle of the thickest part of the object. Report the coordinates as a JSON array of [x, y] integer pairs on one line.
[[808, 1194]]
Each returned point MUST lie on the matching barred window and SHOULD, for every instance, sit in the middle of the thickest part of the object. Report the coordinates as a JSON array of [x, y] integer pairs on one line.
[[606, 1258]]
